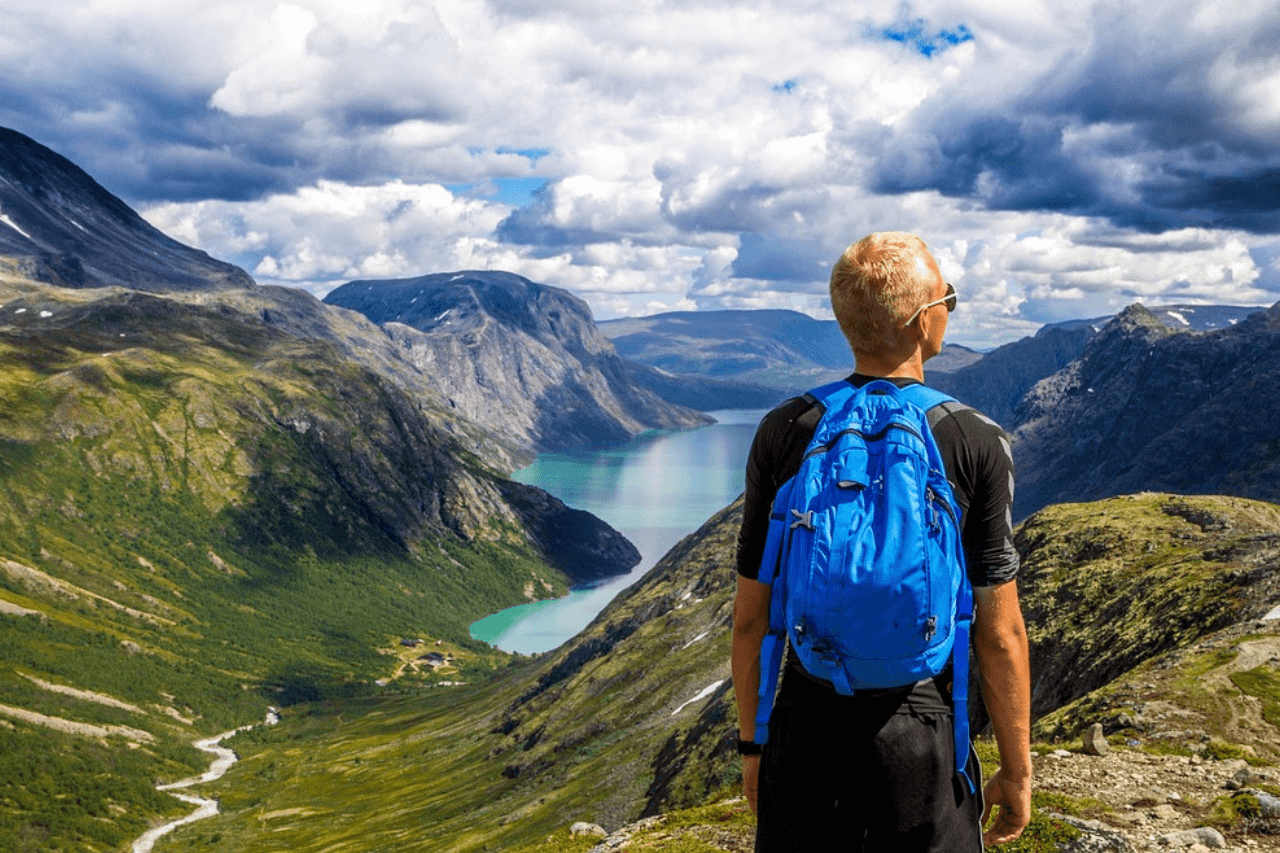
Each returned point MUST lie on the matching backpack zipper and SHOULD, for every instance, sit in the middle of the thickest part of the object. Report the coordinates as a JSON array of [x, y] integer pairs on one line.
[[936, 500]]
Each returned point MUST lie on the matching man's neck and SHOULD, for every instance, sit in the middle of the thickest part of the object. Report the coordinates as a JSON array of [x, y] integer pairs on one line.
[[872, 365]]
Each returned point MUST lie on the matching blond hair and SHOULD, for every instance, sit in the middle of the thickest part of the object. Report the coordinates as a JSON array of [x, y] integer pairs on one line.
[[876, 285]]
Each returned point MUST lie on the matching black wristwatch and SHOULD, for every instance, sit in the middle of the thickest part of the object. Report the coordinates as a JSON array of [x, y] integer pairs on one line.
[[749, 747]]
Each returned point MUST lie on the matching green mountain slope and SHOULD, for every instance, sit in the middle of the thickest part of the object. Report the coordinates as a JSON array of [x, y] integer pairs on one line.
[[629, 716], [1112, 585], [634, 716], [202, 514]]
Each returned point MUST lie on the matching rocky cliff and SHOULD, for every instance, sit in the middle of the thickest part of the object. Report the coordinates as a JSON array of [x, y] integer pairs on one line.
[[996, 384], [1145, 407], [522, 358]]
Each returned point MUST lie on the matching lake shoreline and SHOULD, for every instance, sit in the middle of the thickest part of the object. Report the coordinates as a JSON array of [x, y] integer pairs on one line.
[[654, 489]]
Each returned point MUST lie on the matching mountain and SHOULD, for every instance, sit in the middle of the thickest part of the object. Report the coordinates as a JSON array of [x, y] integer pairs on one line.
[[1145, 407], [216, 497], [1189, 318], [635, 715], [202, 514], [996, 384], [786, 350], [1111, 584], [792, 351], [59, 226], [700, 392], [522, 358]]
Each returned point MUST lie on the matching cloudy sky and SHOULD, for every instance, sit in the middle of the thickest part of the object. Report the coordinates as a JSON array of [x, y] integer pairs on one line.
[[1062, 159]]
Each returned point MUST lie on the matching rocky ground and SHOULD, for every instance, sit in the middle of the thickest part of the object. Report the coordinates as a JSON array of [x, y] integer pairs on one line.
[[1135, 801], [1187, 745]]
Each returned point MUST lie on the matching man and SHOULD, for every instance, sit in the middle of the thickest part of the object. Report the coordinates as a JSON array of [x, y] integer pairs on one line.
[[876, 771]]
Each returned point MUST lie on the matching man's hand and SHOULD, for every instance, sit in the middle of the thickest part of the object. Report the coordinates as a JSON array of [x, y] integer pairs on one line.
[[1000, 645], [751, 781], [1014, 799]]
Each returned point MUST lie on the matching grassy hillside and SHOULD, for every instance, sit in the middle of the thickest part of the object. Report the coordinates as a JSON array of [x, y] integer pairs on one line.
[[634, 716], [201, 515], [1109, 585], [628, 717]]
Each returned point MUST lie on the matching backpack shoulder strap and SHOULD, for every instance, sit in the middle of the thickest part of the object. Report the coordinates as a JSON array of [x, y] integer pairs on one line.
[[809, 418], [925, 397], [821, 400], [937, 405]]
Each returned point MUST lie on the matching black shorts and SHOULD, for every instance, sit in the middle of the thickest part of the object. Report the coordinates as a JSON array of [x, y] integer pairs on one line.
[[874, 774]]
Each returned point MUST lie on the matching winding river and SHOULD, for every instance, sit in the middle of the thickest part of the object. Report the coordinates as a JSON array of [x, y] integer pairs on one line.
[[205, 808], [655, 489]]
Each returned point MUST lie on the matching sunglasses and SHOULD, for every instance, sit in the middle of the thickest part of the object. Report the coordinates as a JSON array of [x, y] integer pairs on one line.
[[949, 300]]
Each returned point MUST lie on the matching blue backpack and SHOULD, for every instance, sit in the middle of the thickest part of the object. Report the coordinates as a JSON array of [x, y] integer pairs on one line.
[[864, 556]]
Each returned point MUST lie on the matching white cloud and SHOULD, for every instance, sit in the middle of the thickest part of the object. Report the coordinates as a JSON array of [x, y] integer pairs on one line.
[[280, 74], [323, 235], [1061, 159]]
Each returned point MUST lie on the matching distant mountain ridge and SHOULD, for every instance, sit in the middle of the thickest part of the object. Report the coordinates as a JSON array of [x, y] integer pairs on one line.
[[783, 349], [1193, 318], [996, 384], [791, 351], [59, 226]]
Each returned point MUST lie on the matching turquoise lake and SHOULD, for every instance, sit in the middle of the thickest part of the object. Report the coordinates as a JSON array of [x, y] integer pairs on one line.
[[655, 490]]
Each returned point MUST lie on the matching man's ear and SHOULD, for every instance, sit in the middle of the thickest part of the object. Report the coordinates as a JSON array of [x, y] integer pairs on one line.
[[920, 328]]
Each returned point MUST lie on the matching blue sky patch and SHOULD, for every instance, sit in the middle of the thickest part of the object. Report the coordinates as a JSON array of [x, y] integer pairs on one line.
[[533, 154], [915, 35], [516, 192]]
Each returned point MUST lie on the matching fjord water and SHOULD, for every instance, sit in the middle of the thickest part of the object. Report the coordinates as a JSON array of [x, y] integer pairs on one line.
[[655, 489]]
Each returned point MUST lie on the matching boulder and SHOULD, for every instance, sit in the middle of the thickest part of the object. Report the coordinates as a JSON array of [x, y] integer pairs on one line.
[[1095, 742], [1205, 836]]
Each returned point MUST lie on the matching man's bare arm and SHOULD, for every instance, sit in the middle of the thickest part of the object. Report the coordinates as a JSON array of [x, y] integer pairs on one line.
[[1000, 645], [750, 624]]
